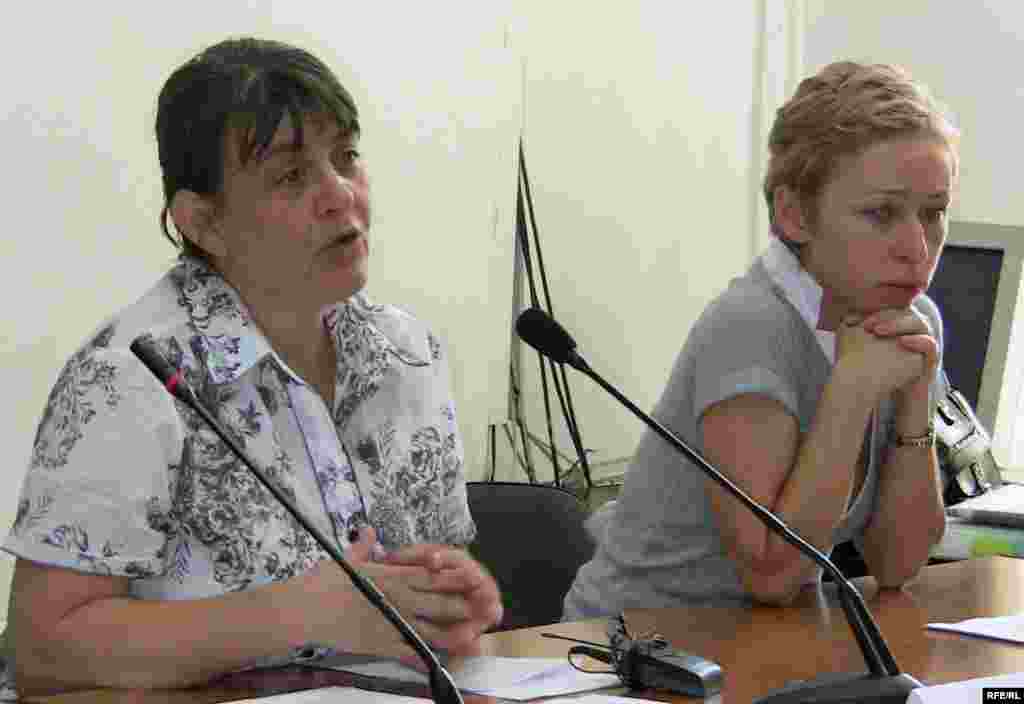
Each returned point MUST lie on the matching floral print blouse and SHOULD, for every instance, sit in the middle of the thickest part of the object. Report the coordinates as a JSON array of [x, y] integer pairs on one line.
[[126, 480]]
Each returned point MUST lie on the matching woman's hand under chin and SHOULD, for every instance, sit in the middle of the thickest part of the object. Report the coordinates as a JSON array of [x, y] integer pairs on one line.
[[913, 333], [891, 351]]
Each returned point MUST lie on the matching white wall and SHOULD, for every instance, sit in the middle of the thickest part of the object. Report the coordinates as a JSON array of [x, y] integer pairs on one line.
[[639, 125], [968, 54]]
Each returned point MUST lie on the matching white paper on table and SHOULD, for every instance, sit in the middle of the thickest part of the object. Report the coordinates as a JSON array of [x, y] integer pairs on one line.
[[362, 665], [471, 673], [487, 673], [603, 699], [961, 692], [333, 695], [502, 677], [1008, 628], [563, 679]]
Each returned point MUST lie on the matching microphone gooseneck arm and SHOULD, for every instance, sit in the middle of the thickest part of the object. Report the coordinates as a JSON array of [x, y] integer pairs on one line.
[[878, 657], [442, 686], [885, 683]]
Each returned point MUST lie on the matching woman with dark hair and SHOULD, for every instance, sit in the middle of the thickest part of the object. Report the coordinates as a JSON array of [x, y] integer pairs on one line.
[[147, 555]]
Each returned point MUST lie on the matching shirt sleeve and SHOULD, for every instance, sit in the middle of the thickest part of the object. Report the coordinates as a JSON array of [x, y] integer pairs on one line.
[[740, 350], [95, 497]]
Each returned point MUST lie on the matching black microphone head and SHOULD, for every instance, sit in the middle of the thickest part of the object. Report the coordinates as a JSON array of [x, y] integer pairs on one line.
[[144, 347], [543, 333]]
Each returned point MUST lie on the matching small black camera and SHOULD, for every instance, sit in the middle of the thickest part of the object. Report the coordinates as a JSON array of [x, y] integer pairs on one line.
[[653, 664]]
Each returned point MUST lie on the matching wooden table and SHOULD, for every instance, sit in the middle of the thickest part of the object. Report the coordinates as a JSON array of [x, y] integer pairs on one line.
[[760, 649]]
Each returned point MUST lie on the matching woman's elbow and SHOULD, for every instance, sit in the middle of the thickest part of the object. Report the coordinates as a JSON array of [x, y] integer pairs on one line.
[[772, 595], [42, 667], [892, 569], [938, 531], [894, 581], [773, 587], [33, 674], [35, 678], [896, 577]]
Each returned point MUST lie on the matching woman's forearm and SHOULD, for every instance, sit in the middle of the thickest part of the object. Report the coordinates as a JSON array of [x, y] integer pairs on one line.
[[909, 505], [122, 642], [817, 491], [909, 497]]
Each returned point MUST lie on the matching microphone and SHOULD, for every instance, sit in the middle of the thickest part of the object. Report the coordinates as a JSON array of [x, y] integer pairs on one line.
[[442, 687], [884, 683]]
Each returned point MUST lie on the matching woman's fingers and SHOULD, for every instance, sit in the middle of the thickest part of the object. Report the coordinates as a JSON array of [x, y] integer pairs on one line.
[[460, 591], [452, 622], [458, 639], [440, 609], [922, 344], [423, 555], [891, 323], [452, 569], [449, 596], [361, 545], [486, 601]]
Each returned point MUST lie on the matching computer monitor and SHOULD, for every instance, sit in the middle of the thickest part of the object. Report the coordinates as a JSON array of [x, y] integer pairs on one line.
[[964, 288], [977, 288]]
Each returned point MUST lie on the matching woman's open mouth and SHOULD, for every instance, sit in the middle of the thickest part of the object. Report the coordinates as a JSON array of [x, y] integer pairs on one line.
[[345, 239]]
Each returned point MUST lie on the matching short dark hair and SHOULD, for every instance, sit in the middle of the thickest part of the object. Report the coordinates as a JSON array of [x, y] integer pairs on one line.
[[245, 85]]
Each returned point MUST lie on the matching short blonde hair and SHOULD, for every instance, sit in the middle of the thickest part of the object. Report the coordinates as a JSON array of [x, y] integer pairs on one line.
[[842, 110]]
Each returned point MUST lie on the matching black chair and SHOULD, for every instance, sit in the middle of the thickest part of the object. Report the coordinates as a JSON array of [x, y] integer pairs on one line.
[[531, 538], [848, 559]]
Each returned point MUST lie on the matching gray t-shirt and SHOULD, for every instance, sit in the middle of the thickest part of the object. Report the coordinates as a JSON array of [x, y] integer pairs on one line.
[[659, 543]]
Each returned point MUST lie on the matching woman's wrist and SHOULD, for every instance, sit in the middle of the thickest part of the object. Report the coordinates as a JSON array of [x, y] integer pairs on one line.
[[912, 415], [855, 388], [917, 440]]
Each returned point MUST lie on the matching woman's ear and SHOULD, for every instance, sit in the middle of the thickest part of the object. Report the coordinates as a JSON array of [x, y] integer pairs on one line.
[[195, 217], [789, 216]]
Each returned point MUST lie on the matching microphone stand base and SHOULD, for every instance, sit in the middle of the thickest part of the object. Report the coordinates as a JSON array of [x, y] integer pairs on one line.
[[861, 688]]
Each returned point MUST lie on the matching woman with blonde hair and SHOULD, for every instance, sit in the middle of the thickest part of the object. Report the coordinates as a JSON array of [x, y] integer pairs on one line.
[[809, 381]]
